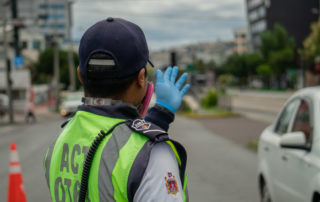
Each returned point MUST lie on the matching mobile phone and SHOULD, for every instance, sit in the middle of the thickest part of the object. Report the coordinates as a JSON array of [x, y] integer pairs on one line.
[[146, 100]]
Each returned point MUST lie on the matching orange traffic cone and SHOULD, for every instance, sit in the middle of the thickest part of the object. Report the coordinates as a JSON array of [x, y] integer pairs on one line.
[[16, 190]]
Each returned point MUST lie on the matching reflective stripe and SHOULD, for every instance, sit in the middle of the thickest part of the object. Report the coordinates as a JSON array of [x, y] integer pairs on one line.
[[15, 169], [14, 156], [175, 152], [47, 160], [101, 62], [186, 194], [150, 131], [181, 157], [109, 158]]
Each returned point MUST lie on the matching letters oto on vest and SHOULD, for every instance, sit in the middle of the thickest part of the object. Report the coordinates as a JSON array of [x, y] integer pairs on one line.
[[65, 187]]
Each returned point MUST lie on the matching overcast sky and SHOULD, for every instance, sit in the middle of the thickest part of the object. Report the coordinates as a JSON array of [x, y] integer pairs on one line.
[[166, 23]]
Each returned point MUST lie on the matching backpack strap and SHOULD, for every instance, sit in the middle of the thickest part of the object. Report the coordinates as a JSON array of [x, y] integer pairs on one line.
[[156, 135], [149, 130], [182, 154], [65, 123]]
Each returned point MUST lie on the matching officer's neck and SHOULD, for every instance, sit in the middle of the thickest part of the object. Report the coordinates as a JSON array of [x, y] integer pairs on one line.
[[126, 98]]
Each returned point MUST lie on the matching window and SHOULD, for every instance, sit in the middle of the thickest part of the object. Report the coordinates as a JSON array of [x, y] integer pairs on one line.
[[259, 26], [285, 117], [24, 44], [254, 3], [302, 120], [253, 15], [56, 16], [262, 12], [43, 6], [57, 6], [257, 13], [36, 45], [51, 6]]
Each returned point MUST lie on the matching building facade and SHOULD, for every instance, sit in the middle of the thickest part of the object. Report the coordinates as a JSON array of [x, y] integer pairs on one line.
[[53, 17], [295, 15], [241, 41], [48, 17]]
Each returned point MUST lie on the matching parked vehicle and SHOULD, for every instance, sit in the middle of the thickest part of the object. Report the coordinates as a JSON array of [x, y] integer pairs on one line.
[[4, 104], [289, 151], [70, 103]]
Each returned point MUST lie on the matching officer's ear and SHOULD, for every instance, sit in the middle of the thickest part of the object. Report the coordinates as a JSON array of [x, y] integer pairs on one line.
[[79, 74], [142, 79]]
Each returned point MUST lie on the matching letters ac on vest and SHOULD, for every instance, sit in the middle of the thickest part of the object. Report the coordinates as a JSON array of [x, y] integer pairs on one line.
[[68, 161]]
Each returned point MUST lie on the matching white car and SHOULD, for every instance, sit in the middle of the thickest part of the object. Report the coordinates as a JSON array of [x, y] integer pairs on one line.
[[289, 151], [70, 103]]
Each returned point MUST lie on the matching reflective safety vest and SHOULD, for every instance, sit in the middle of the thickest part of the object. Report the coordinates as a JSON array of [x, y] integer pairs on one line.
[[119, 162]]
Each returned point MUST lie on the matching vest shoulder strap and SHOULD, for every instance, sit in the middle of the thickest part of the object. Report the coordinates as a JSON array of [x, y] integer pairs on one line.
[[155, 135], [149, 130], [65, 123]]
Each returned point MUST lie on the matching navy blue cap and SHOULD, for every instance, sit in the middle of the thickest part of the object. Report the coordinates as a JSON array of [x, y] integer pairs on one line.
[[124, 41]]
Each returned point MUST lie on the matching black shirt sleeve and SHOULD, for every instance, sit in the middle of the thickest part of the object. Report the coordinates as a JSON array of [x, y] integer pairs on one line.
[[160, 116]]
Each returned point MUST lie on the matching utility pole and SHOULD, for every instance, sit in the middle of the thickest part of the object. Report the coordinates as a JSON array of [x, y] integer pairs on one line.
[[56, 65], [56, 71], [173, 58], [7, 60], [14, 13], [72, 72]]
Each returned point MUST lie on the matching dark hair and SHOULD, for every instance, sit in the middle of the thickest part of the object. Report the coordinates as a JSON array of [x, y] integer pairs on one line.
[[97, 83], [108, 87]]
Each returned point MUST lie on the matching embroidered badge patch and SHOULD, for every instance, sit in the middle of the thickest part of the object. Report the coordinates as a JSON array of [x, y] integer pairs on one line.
[[140, 124], [171, 184]]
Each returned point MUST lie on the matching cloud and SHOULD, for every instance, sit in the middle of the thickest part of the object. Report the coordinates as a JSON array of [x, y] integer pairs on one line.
[[166, 22]]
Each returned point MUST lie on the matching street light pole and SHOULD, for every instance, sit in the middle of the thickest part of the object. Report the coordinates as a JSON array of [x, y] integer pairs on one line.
[[7, 60], [319, 9], [14, 13], [72, 72], [56, 63]]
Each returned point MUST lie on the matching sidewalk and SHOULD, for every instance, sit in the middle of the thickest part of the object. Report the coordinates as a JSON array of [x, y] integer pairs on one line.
[[42, 115], [240, 130]]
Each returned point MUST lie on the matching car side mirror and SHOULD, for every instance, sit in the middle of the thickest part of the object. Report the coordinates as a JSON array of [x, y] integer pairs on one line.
[[294, 140]]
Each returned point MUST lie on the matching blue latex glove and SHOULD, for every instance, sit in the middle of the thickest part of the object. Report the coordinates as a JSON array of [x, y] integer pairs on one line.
[[168, 90]]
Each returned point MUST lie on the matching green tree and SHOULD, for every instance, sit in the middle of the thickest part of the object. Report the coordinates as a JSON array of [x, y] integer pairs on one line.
[[265, 71], [277, 48], [241, 66], [199, 65], [211, 65], [42, 71], [311, 45], [252, 61]]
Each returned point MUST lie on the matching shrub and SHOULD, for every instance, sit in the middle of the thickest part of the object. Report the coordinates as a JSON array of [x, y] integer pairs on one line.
[[210, 100], [185, 107]]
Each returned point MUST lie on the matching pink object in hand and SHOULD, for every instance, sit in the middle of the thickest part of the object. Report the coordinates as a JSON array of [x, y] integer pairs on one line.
[[146, 100]]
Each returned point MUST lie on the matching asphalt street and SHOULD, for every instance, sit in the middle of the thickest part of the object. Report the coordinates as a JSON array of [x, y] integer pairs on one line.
[[218, 169], [32, 142]]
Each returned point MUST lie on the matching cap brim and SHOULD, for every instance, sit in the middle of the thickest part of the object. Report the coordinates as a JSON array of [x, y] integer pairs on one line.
[[150, 63]]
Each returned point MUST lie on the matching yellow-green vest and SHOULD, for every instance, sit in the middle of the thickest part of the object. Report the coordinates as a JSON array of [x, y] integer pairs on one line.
[[65, 158]]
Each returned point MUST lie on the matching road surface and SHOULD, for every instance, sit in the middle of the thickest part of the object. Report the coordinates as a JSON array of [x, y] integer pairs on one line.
[[218, 170]]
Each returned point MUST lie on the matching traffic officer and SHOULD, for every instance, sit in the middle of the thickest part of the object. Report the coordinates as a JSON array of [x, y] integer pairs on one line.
[[107, 151]]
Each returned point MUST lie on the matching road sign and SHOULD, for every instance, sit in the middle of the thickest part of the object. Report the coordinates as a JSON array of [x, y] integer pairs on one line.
[[18, 61]]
